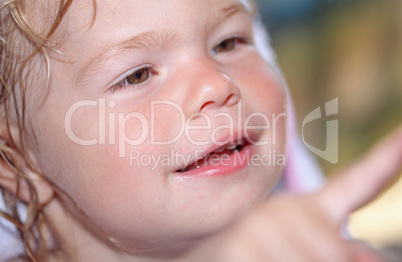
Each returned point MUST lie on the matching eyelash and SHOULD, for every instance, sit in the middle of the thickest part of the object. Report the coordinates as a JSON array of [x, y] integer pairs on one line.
[[125, 83], [236, 40]]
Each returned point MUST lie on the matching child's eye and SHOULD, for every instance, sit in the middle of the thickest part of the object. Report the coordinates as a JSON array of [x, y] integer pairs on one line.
[[228, 45], [136, 78]]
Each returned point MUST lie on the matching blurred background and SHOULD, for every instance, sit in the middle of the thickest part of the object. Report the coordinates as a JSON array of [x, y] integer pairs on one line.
[[351, 50]]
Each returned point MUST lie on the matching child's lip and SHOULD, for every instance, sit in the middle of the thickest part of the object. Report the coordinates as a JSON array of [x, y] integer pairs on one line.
[[243, 138]]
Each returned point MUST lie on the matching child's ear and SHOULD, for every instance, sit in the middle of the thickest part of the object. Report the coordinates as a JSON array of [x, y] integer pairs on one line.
[[18, 178]]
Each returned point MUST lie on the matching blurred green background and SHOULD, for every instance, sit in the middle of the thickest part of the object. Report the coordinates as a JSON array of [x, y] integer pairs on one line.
[[351, 50]]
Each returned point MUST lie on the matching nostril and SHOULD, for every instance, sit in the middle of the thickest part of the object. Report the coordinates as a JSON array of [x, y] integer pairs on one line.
[[206, 104], [231, 100]]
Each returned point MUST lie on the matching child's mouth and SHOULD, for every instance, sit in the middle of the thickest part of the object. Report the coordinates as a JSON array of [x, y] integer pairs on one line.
[[220, 156]]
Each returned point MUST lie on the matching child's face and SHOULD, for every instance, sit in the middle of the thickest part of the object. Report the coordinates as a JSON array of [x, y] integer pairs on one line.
[[182, 52]]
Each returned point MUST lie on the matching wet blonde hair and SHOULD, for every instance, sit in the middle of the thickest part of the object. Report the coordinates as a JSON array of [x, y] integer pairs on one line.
[[23, 46]]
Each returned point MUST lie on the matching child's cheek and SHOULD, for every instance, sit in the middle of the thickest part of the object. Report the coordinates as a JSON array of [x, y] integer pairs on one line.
[[260, 86], [263, 94]]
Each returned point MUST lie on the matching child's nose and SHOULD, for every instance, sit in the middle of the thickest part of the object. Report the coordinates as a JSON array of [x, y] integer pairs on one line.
[[212, 89]]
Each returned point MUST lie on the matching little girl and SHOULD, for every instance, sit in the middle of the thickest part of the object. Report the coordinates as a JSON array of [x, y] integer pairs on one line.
[[156, 131]]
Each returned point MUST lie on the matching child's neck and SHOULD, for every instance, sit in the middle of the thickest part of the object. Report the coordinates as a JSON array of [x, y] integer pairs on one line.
[[75, 242]]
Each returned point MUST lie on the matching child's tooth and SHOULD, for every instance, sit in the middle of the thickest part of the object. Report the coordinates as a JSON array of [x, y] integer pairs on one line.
[[219, 150], [231, 146], [241, 142]]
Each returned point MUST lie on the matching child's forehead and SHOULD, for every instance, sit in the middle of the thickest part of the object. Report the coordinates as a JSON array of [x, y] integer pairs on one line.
[[89, 29], [87, 13]]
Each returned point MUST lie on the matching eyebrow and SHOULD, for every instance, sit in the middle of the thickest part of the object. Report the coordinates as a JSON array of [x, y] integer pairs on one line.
[[143, 41], [140, 42]]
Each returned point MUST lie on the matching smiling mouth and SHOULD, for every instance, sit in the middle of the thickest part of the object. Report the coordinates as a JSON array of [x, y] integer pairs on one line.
[[215, 157]]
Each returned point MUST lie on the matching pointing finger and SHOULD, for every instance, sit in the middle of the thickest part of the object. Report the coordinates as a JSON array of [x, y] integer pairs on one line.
[[363, 181]]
